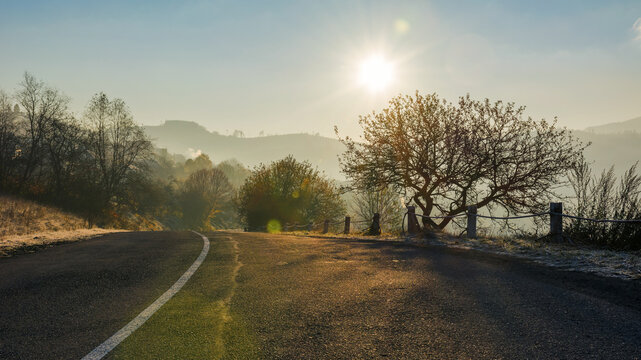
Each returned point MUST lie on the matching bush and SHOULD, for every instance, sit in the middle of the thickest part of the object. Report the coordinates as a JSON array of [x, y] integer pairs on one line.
[[288, 191]]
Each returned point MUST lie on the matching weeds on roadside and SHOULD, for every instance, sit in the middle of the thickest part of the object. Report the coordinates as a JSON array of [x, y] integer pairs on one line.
[[604, 197]]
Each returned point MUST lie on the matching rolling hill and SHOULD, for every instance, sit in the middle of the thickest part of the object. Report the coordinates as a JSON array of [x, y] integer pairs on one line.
[[179, 136], [619, 149], [632, 125]]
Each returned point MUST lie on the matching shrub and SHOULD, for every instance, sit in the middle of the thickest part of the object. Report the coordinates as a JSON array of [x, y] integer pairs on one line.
[[288, 191]]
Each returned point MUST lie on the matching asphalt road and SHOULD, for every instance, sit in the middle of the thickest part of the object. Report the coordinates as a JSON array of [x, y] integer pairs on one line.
[[296, 297], [61, 302]]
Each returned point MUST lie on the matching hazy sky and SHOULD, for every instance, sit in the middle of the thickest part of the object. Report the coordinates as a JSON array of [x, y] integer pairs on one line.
[[292, 66]]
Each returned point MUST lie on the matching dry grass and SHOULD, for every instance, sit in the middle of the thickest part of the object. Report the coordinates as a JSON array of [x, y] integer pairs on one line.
[[20, 217], [26, 226]]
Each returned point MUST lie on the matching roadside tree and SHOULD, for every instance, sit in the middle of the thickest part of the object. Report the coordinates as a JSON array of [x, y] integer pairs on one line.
[[446, 156]]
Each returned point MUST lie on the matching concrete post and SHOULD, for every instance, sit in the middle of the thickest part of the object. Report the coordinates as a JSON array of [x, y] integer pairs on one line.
[[347, 223], [556, 221], [471, 222], [326, 227]]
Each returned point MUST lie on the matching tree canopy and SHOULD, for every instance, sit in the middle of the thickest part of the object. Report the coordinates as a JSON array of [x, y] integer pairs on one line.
[[446, 156]]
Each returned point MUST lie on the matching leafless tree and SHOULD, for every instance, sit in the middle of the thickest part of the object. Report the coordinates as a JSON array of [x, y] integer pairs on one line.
[[118, 145], [205, 194], [447, 156], [65, 145], [42, 106], [384, 201], [8, 139]]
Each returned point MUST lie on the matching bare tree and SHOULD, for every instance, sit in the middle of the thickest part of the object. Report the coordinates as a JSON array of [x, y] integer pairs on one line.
[[386, 202], [42, 106], [205, 194], [66, 151], [8, 139], [447, 156], [118, 145]]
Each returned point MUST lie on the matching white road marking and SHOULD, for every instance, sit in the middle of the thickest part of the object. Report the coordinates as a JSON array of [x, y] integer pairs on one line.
[[104, 348]]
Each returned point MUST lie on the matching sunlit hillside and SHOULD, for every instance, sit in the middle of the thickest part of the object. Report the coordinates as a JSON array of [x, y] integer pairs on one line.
[[19, 217]]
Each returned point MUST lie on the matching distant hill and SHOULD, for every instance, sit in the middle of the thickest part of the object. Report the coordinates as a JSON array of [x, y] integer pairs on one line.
[[179, 136], [619, 149], [632, 125]]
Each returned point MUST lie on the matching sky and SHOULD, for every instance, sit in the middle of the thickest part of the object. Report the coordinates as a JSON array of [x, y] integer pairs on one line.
[[293, 66]]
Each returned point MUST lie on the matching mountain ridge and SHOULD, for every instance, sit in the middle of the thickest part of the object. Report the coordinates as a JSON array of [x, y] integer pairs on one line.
[[179, 136], [632, 125]]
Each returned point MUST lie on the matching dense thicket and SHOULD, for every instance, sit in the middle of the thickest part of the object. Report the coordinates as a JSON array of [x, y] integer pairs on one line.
[[288, 192], [102, 166], [85, 165]]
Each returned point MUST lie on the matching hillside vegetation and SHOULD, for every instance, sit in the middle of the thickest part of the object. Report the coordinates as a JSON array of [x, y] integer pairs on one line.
[[19, 217], [26, 226]]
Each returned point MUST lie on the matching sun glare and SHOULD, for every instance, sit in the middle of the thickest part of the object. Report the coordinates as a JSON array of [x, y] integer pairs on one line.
[[375, 73]]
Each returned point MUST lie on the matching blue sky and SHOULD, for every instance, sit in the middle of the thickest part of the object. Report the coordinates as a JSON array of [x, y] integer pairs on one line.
[[290, 66]]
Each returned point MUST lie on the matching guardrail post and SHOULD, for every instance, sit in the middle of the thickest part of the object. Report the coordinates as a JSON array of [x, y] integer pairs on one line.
[[471, 222], [375, 228], [556, 221], [326, 227], [309, 227], [347, 222], [412, 222], [286, 227]]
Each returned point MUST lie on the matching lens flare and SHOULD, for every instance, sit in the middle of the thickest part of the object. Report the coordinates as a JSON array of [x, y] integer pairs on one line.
[[273, 226]]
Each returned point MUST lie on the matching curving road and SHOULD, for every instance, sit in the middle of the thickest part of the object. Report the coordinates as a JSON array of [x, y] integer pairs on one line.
[[282, 297]]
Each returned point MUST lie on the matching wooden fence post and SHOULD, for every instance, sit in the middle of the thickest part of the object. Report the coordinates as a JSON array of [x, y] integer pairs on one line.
[[556, 221], [326, 227], [412, 221], [347, 221], [375, 228], [286, 227], [471, 222], [309, 227]]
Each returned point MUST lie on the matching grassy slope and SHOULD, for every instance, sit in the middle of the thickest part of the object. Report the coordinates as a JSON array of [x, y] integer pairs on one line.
[[26, 226], [20, 217]]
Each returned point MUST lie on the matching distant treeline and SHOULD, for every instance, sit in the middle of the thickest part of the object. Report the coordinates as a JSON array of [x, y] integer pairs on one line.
[[102, 166]]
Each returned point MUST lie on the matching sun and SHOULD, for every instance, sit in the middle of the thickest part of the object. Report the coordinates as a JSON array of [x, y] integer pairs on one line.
[[375, 73]]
